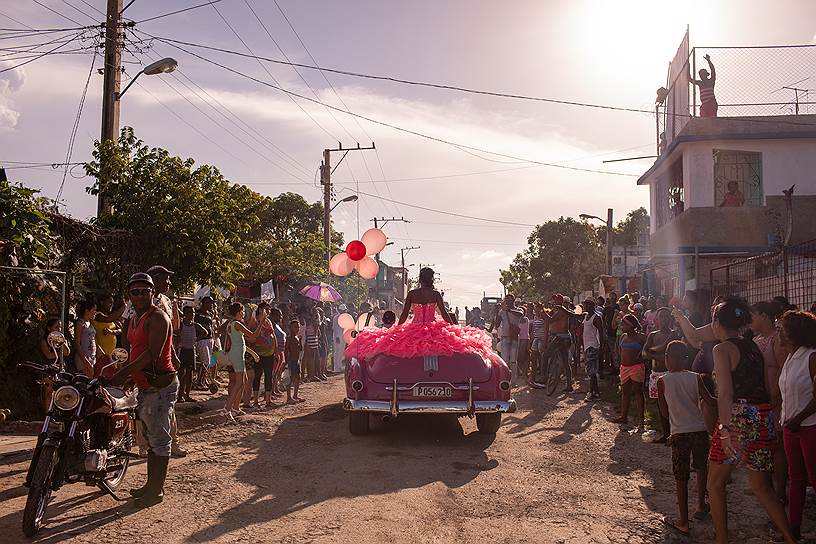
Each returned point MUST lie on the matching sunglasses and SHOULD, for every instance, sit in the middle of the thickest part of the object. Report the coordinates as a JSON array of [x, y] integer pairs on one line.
[[140, 292]]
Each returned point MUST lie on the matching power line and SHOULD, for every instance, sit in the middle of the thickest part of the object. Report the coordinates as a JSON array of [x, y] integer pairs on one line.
[[41, 55], [57, 12], [178, 11], [102, 13], [395, 127], [460, 88], [262, 65], [9, 17], [274, 148], [74, 129], [459, 242], [443, 212], [222, 127], [66, 2]]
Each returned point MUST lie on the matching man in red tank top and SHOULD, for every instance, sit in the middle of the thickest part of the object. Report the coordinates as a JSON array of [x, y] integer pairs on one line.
[[151, 369]]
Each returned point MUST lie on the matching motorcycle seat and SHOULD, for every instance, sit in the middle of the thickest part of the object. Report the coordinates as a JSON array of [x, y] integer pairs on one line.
[[121, 400]]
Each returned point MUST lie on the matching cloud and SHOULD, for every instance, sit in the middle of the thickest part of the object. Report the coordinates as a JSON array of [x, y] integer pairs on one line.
[[10, 82]]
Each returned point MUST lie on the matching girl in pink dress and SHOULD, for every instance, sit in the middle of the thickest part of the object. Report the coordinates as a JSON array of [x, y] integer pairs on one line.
[[429, 333]]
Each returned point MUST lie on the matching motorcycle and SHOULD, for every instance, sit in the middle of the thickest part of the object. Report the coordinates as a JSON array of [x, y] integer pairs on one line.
[[86, 437]]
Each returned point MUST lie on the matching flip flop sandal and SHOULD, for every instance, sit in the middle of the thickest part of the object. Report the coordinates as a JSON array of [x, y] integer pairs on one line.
[[670, 524]]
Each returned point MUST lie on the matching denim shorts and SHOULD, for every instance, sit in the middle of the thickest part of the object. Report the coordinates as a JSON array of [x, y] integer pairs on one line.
[[155, 411], [294, 367]]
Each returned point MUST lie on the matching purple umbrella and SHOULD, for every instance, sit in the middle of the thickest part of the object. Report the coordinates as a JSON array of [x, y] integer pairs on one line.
[[322, 292]]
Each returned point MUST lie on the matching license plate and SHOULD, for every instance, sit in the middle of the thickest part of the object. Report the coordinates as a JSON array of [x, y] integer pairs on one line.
[[432, 391]]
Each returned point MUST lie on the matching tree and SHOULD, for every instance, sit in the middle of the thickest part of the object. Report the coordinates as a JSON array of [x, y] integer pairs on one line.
[[28, 298], [627, 231], [563, 255], [288, 240], [191, 220]]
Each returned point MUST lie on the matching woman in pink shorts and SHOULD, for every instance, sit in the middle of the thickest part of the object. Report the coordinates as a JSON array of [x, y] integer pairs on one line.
[[632, 369]]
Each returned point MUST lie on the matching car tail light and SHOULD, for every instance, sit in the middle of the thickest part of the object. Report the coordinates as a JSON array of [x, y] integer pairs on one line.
[[504, 385], [357, 385]]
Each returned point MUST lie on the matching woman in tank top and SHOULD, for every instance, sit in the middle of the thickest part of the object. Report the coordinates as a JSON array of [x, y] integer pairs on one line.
[[85, 338], [745, 432], [798, 410]]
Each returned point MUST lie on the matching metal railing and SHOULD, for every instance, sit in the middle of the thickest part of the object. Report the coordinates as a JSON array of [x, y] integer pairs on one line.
[[789, 272]]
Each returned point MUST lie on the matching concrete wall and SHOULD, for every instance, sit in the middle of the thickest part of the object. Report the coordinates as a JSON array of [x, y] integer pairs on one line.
[[784, 162], [736, 227]]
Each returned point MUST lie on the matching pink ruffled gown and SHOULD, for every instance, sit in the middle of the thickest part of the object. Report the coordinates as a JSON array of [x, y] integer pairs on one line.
[[426, 334]]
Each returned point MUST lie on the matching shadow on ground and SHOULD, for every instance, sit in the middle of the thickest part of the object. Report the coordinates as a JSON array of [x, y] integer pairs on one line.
[[411, 452]]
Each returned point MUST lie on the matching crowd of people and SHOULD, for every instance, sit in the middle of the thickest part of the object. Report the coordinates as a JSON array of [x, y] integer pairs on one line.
[[732, 383]]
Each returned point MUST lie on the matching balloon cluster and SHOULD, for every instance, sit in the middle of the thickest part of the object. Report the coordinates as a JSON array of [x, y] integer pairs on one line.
[[350, 328], [358, 255]]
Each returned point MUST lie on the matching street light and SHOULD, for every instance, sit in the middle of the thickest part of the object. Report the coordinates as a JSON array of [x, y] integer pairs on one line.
[[163, 66], [586, 216], [351, 198]]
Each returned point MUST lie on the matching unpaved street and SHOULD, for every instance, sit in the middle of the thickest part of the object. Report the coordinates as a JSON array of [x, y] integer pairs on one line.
[[557, 471]]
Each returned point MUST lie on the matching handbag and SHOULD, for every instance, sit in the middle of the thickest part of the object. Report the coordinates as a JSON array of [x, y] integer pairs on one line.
[[222, 359]]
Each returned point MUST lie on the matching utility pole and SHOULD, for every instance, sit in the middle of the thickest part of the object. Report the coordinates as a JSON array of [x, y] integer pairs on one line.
[[110, 92], [609, 242], [325, 179], [403, 251]]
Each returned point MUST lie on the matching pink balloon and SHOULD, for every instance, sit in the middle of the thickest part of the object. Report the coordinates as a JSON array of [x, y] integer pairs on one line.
[[374, 240], [341, 265], [367, 268], [345, 321], [347, 336]]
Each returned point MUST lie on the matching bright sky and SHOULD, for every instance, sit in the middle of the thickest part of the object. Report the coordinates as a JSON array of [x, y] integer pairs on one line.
[[608, 52]]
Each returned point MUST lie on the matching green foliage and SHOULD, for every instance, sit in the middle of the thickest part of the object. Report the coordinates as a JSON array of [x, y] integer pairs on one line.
[[287, 241], [191, 220], [625, 233], [563, 255], [25, 242]]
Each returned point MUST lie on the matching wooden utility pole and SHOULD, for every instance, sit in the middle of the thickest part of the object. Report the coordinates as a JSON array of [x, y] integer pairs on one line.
[[325, 179], [110, 92]]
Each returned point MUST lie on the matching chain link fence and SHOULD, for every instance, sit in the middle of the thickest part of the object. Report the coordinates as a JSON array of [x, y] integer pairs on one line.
[[757, 81], [788, 272]]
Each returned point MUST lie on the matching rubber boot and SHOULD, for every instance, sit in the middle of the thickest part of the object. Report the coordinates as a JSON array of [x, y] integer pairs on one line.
[[154, 494], [138, 492]]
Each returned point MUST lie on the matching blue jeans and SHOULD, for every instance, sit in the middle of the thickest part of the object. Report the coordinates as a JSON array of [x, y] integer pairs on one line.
[[591, 356], [155, 409]]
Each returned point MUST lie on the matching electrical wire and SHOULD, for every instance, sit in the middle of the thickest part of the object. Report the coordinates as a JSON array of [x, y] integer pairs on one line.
[[67, 3], [57, 12], [255, 134], [262, 65], [453, 214], [178, 11], [99, 11], [459, 242], [395, 127], [10, 18], [75, 128], [41, 55]]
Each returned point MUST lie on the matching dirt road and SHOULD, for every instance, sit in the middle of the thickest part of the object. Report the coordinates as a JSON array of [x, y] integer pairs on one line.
[[557, 471]]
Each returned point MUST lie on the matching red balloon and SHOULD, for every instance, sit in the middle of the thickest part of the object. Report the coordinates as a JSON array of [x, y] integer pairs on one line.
[[356, 250]]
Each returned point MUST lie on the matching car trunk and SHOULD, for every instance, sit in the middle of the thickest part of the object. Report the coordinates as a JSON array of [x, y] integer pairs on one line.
[[456, 369]]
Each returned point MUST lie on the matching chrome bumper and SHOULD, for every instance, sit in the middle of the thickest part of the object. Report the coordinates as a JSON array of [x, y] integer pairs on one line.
[[429, 406]]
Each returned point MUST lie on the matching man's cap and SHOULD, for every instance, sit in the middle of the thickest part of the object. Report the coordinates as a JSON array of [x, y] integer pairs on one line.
[[159, 269], [141, 277]]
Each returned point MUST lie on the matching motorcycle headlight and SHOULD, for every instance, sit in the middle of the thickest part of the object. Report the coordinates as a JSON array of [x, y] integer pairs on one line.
[[66, 398]]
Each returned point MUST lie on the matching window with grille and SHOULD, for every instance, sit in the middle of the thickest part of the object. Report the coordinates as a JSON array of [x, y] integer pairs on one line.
[[737, 178]]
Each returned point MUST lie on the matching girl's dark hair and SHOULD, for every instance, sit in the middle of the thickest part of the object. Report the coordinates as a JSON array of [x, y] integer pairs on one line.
[[632, 320], [426, 277], [103, 296], [733, 314], [50, 323], [389, 317], [235, 307], [265, 306], [772, 309], [800, 327], [84, 305]]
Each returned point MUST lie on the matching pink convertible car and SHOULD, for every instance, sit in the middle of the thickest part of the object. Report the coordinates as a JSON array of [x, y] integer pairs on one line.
[[462, 384]]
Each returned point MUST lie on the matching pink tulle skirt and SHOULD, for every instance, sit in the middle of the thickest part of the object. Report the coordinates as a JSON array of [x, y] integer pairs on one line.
[[418, 340]]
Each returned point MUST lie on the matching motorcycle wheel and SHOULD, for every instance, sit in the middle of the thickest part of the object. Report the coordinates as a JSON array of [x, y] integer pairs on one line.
[[39, 494], [116, 478]]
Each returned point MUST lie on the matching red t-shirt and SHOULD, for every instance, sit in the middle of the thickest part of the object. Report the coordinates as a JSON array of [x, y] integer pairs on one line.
[[137, 336]]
